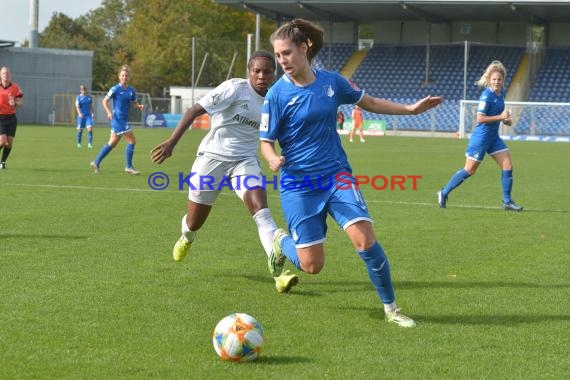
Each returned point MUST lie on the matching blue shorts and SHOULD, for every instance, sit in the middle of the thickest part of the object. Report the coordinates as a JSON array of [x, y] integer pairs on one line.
[[120, 127], [306, 212], [86, 121], [477, 147]]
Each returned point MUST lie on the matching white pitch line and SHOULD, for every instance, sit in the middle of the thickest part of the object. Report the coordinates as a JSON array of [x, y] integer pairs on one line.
[[269, 194], [76, 187]]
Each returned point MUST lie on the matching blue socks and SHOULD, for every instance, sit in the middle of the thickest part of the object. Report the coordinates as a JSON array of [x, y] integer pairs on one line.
[[379, 272], [129, 152], [89, 136], [461, 175], [289, 250], [376, 262], [102, 154], [456, 180], [507, 182]]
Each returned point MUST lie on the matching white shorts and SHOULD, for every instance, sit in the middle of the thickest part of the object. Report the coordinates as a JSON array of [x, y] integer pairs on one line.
[[211, 176]]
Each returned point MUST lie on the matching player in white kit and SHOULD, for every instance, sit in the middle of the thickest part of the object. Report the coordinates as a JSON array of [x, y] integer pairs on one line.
[[227, 157]]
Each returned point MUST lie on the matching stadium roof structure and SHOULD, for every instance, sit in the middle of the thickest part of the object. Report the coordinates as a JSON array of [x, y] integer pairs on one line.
[[4, 43], [368, 11]]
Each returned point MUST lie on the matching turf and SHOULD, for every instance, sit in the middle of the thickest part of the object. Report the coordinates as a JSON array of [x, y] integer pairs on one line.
[[90, 291]]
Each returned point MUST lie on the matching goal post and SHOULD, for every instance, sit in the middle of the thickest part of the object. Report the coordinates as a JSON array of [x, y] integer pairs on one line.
[[532, 121], [64, 112]]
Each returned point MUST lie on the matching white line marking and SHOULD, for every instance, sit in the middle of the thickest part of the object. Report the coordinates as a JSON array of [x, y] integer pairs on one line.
[[269, 194]]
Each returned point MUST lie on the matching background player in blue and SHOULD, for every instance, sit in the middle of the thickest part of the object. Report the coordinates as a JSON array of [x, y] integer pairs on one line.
[[122, 95], [300, 113], [485, 138], [84, 106]]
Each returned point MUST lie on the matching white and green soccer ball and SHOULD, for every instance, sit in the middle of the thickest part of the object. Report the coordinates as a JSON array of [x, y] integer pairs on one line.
[[238, 338]]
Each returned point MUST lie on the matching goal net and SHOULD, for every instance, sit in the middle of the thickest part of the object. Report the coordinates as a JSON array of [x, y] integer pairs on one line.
[[532, 121], [64, 111]]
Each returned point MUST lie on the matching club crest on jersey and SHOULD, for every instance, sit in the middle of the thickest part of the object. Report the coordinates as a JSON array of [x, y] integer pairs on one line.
[[330, 91]]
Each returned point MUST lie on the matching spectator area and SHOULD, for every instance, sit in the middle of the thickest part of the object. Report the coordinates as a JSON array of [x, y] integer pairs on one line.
[[398, 73]]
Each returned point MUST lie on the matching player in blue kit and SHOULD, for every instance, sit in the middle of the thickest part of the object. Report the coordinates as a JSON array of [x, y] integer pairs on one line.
[[485, 138], [122, 95], [300, 113], [84, 107]]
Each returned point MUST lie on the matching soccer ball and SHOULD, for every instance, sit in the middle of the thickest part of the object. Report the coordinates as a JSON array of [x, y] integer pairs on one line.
[[238, 338]]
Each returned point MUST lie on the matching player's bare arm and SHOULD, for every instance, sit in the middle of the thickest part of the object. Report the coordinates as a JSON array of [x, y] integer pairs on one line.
[[163, 151]]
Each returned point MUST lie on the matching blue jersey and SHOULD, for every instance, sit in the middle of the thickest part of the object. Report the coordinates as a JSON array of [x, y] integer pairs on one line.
[[122, 98], [303, 121], [84, 102], [490, 104]]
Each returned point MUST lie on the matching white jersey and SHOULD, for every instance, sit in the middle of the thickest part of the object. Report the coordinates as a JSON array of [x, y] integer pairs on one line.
[[235, 110]]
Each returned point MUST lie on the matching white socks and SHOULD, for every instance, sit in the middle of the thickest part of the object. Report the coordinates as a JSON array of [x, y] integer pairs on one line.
[[189, 235], [390, 307], [265, 227]]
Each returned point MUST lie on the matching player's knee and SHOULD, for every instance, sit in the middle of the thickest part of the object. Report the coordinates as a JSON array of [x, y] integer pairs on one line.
[[311, 268], [471, 171], [362, 246]]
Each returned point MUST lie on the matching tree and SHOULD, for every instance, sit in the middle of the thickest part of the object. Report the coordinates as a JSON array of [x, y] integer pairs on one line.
[[101, 31], [160, 37], [106, 25], [155, 38]]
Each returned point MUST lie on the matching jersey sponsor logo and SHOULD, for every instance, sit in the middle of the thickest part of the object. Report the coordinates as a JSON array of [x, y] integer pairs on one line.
[[264, 126], [246, 121]]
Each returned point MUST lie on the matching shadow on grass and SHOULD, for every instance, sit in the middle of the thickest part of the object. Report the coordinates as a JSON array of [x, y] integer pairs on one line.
[[475, 285], [318, 288], [280, 359], [486, 319], [496, 208], [490, 320], [353, 286]]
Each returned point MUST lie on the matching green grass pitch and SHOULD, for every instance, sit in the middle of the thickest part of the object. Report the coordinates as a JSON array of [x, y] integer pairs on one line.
[[89, 289]]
